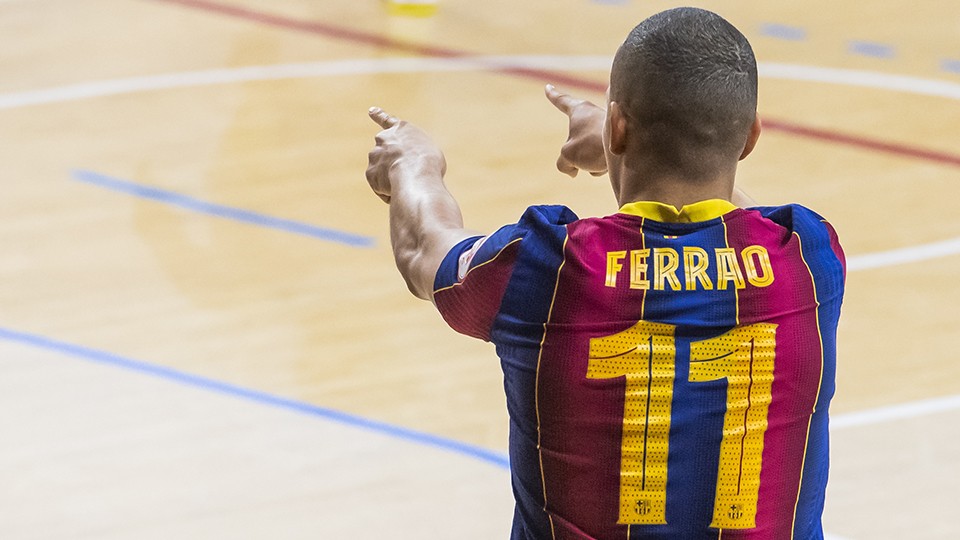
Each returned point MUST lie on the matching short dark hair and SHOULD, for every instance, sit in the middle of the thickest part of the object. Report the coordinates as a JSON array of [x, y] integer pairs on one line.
[[690, 76]]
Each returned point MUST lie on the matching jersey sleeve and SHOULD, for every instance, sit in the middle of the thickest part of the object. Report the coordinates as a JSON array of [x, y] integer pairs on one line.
[[473, 277]]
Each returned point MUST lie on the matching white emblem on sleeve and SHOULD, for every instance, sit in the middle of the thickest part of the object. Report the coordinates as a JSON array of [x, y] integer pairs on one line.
[[467, 257]]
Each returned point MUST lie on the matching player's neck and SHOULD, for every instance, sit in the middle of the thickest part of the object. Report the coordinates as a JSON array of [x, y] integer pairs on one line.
[[673, 189]]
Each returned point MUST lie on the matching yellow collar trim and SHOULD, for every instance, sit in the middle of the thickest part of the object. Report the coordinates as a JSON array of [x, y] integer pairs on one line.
[[691, 213]]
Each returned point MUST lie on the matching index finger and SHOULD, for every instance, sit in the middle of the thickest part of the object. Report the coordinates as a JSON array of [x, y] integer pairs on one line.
[[382, 118], [564, 102]]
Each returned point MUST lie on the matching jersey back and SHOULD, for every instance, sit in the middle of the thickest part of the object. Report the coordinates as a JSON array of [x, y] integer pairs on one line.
[[668, 374]]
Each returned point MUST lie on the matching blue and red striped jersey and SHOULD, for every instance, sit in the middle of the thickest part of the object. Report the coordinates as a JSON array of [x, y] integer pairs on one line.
[[668, 373]]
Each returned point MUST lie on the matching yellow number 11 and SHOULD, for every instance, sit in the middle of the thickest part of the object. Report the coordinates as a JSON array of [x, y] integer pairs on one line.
[[645, 356]]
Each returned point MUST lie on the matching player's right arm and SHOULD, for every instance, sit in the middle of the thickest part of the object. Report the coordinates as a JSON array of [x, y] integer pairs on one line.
[[406, 170]]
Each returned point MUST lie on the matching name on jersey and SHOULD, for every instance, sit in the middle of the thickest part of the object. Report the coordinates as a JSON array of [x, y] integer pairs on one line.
[[692, 270]]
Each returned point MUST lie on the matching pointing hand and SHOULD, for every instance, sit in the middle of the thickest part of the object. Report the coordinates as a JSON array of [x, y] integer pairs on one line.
[[584, 147]]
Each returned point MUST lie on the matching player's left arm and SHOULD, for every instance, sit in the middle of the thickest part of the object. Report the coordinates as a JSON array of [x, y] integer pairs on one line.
[[584, 147], [406, 170]]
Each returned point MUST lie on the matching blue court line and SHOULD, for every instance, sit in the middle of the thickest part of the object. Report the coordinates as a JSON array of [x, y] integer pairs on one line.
[[953, 66], [782, 31], [876, 50], [219, 210], [263, 398]]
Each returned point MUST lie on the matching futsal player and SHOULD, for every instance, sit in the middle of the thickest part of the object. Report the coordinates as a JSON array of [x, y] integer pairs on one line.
[[668, 368]]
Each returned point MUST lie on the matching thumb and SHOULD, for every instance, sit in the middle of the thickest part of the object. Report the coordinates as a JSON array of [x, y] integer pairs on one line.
[[382, 118]]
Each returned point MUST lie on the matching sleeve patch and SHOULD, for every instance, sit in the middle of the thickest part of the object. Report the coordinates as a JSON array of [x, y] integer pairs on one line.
[[463, 265]]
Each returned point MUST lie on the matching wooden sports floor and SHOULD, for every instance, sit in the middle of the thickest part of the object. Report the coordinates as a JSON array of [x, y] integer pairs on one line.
[[202, 334]]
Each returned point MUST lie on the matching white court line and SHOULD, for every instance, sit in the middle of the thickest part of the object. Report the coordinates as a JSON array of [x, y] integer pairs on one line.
[[922, 252], [188, 79], [367, 66], [860, 78], [902, 411]]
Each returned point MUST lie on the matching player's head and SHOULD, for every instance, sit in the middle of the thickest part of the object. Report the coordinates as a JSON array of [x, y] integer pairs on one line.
[[685, 83]]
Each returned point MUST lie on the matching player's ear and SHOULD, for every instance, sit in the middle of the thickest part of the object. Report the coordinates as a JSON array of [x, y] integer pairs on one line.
[[752, 137], [617, 122]]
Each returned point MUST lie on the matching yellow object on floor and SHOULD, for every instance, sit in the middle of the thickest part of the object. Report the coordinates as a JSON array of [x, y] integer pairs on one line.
[[412, 8]]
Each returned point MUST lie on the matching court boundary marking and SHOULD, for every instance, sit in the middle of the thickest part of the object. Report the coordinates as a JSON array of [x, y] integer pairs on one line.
[[903, 411], [795, 72], [868, 417], [212, 385], [376, 66], [187, 202], [557, 76]]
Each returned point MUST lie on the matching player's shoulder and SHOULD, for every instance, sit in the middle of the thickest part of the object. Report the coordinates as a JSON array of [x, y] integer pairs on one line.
[[538, 226], [794, 218], [535, 221], [547, 215], [816, 233], [789, 214]]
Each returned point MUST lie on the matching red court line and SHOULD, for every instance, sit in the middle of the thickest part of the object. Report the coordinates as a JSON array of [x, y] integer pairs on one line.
[[543, 76], [857, 141], [379, 41]]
